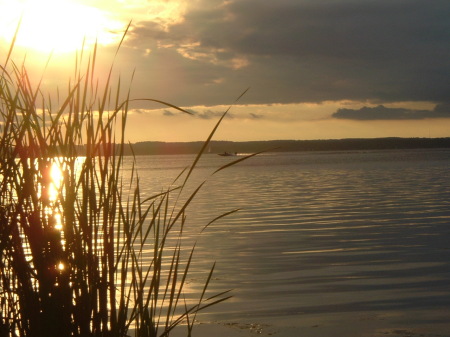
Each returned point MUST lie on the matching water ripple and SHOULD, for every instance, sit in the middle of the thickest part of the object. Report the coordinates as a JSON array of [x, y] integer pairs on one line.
[[323, 232]]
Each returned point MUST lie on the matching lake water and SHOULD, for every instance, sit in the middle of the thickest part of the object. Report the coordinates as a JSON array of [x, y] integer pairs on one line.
[[321, 239]]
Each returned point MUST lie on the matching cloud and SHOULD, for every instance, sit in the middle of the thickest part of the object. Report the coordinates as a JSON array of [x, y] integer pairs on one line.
[[198, 112], [138, 111], [168, 113], [255, 116], [443, 108], [381, 112], [209, 114], [305, 51]]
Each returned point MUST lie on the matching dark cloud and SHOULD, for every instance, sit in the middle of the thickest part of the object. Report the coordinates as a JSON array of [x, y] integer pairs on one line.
[[303, 50], [381, 112], [255, 116], [443, 108], [209, 114], [168, 113]]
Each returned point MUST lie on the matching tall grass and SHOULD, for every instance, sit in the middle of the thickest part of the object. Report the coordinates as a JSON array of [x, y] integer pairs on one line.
[[84, 254]]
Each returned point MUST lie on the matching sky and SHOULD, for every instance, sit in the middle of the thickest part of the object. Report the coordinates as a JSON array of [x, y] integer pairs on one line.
[[314, 69]]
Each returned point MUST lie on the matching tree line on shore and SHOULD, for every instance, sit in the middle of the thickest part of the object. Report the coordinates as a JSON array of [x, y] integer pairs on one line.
[[215, 147], [159, 148]]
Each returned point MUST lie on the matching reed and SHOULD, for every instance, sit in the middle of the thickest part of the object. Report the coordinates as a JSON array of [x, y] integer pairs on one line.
[[83, 253]]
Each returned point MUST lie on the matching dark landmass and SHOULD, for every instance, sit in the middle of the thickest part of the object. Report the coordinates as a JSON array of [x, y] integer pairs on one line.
[[155, 148]]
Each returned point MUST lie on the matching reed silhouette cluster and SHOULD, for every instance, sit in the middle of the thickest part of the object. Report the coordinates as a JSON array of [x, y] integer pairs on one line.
[[82, 252]]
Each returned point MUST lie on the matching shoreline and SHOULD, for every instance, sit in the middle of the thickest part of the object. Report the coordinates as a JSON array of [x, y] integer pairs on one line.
[[352, 144], [414, 323]]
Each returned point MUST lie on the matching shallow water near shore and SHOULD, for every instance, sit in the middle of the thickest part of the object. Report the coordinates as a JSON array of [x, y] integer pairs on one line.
[[325, 243]]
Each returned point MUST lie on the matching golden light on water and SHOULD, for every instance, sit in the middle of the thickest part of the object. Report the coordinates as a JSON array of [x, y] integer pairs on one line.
[[58, 222], [56, 25], [56, 177]]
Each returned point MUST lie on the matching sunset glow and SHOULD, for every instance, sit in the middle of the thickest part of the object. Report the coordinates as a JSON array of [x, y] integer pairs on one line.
[[56, 26], [307, 79]]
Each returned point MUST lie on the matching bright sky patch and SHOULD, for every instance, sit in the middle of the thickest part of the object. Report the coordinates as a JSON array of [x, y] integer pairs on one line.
[[56, 25]]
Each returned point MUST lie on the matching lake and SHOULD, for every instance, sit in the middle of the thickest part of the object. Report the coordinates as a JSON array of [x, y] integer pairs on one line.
[[324, 243]]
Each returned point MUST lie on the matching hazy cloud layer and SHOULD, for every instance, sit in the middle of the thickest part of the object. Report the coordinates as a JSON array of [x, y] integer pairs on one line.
[[301, 51], [383, 113]]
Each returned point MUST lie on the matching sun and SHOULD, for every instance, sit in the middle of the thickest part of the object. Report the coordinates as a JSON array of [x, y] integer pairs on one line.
[[56, 25]]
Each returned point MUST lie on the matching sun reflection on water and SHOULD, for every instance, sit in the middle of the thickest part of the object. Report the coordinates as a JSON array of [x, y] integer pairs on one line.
[[56, 179], [50, 192], [58, 223]]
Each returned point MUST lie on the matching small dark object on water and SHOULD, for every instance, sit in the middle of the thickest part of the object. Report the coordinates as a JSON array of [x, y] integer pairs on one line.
[[227, 154]]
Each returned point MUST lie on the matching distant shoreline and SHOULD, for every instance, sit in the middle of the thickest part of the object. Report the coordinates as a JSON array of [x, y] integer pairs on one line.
[[167, 148]]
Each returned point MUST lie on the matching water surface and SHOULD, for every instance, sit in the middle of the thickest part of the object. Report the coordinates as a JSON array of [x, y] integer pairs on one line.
[[319, 234]]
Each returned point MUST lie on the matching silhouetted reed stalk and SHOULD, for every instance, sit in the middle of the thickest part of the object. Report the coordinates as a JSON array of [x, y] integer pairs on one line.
[[74, 249]]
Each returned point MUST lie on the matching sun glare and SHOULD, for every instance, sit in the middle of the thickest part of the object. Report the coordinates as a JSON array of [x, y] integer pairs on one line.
[[56, 25], [56, 181]]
